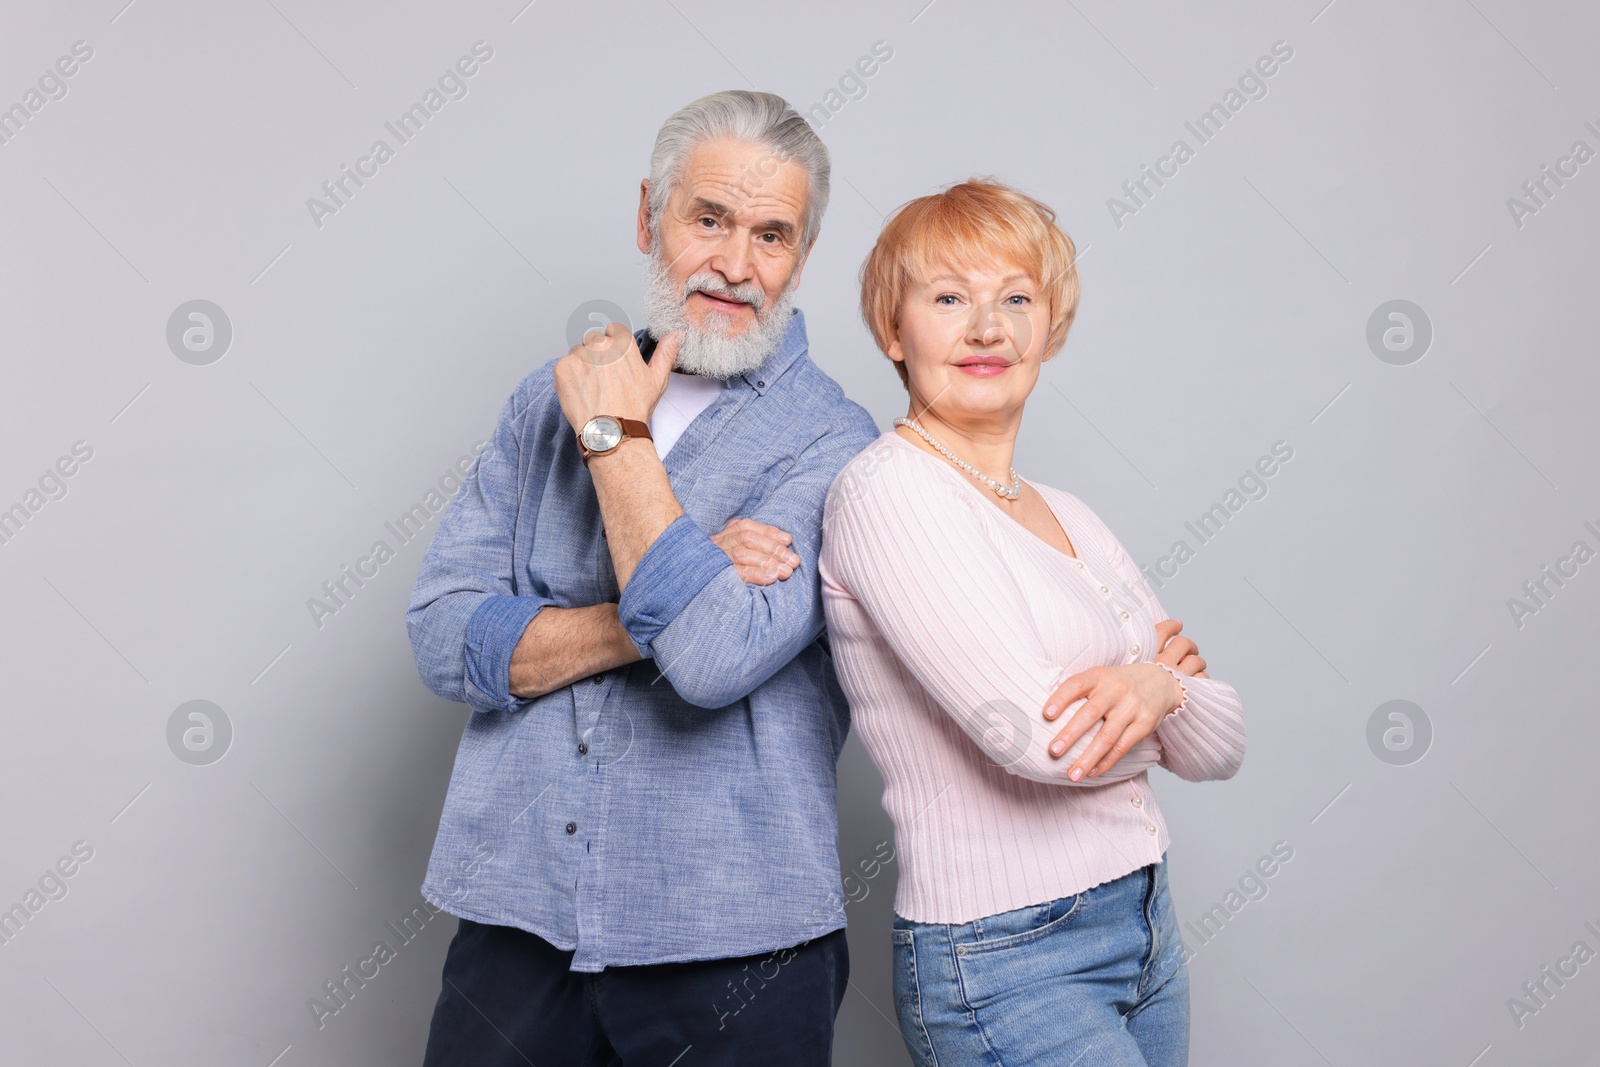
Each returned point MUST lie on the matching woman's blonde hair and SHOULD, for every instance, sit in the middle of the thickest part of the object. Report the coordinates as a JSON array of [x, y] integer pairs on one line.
[[970, 225]]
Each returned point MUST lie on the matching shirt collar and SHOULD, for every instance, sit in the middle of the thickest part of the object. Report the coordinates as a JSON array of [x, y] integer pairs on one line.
[[764, 377]]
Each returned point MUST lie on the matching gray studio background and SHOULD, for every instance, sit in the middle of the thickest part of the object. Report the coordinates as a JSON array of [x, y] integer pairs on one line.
[[1440, 860]]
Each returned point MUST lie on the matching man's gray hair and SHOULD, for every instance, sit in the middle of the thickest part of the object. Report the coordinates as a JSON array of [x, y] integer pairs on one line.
[[760, 118]]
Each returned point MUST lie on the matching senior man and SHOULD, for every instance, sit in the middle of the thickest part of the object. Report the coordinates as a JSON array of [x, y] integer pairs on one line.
[[640, 834]]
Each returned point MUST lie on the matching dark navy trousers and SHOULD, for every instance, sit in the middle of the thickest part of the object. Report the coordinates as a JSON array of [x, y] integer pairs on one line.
[[509, 999]]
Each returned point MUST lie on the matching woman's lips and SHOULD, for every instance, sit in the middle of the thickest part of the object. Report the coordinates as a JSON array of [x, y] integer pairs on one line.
[[984, 368]]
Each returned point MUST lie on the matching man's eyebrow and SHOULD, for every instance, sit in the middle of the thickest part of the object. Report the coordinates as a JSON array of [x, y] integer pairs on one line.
[[783, 226], [701, 206]]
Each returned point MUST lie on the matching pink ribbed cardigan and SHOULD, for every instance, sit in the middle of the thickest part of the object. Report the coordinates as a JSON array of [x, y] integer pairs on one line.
[[951, 624]]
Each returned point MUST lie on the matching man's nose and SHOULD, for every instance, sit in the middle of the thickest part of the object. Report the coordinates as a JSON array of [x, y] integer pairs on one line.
[[734, 262]]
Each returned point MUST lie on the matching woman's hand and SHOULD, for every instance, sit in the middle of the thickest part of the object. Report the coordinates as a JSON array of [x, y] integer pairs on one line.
[[1132, 699], [1179, 653], [760, 553]]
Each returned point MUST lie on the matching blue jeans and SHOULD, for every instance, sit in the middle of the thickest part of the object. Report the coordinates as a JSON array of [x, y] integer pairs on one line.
[[1092, 980]]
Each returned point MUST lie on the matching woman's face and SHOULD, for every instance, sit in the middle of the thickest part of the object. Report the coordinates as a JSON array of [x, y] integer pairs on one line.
[[972, 342]]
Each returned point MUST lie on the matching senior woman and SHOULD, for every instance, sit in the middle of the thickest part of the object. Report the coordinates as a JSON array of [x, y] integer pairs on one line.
[[968, 610]]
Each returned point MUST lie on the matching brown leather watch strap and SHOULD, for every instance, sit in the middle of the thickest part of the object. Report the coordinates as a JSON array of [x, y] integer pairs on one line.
[[634, 428]]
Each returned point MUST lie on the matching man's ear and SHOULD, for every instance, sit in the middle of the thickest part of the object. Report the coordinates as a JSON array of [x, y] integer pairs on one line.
[[644, 217]]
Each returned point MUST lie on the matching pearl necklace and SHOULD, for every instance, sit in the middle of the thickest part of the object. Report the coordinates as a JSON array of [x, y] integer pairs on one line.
[[1009, 492]]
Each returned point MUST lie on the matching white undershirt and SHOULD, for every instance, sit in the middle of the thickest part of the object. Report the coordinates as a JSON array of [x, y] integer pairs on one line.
[[686, 396]]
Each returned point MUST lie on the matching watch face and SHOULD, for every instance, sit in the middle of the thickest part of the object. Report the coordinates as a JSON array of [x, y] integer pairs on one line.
[[602, 433]]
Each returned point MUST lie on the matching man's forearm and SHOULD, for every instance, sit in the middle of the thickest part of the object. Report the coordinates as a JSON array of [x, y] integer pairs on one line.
[[636, 502], [562, 645]]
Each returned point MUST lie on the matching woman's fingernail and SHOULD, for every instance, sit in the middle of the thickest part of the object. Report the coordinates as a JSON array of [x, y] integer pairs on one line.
[[1051, 711], [1075, 773], [1057, 747]]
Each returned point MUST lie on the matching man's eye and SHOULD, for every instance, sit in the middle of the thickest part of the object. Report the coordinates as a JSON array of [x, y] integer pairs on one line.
[[709, 220]]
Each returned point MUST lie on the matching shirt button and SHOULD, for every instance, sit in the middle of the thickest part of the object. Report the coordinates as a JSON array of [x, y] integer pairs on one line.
[[602, 533], [599, 679], [761, 385], [1138, 802], [572, 828], [583, 749], [1151, 830]]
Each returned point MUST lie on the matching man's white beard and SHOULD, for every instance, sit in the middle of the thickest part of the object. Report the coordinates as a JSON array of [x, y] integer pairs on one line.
[[712, 351]]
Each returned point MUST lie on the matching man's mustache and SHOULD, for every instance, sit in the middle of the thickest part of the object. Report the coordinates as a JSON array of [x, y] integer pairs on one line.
[[749, 293]]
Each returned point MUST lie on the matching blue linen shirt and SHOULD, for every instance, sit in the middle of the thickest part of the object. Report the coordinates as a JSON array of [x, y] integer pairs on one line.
[[678, 808]]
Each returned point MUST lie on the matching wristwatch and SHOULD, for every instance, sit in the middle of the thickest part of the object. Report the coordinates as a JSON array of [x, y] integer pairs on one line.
[[602, 434]]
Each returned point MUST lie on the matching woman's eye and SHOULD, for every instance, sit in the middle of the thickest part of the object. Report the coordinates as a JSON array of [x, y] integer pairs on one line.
[[947, 299], [1020, 298]]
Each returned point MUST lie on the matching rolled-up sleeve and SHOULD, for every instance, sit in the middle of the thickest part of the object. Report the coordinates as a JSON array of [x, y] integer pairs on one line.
[[466, 613], [671, 573], [714, 637], [493, 631]]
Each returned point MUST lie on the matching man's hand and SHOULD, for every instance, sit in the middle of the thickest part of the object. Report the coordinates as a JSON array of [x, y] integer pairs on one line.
[[1179, 653], [760, 553], [606, 375], [1132, 699]]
